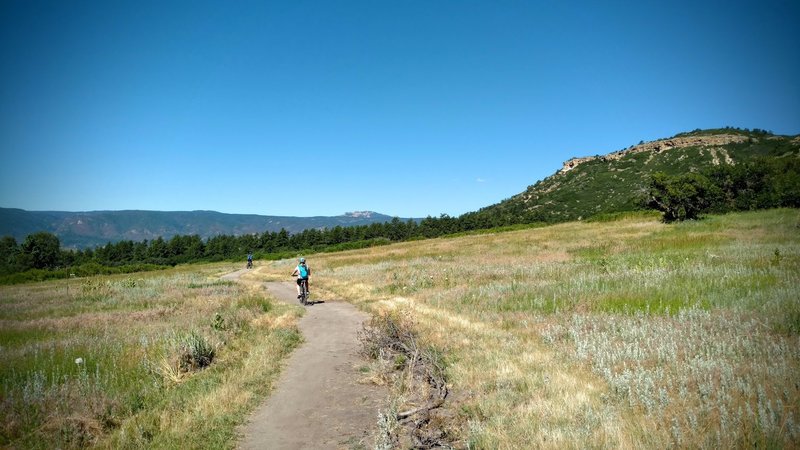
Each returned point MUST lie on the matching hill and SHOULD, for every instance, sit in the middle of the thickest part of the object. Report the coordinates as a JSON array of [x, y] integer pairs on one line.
[[93, 228], [615, 182]]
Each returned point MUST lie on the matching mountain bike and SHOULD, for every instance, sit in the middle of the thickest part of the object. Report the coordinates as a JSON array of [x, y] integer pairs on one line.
[[303, 292], [249, 264]]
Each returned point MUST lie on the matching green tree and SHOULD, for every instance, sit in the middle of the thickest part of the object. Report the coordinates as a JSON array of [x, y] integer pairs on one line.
[[336, 235], [9, 250], [395, 229], [195, 248], [158, 250], [787, 183], [140, 251], [282, 240], [681, 197], [42, 250]]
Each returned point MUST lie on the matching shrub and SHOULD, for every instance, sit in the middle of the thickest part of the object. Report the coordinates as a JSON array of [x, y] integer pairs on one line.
[[682, 197], [196, 352]]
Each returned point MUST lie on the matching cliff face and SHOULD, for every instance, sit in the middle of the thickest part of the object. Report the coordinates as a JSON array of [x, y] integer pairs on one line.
[[662, 145]]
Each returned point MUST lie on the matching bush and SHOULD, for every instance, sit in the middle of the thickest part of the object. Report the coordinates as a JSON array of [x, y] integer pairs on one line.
[[682, 197], [196, 352]]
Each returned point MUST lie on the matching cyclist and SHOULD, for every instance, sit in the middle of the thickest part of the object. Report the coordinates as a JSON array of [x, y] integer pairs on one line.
[[302, 272], [249, 260]]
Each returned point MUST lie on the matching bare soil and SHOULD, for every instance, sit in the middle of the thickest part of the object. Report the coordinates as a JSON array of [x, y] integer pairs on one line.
[[320, 400]]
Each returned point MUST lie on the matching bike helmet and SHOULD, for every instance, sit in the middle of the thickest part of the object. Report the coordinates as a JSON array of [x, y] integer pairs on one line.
[[302, 260]]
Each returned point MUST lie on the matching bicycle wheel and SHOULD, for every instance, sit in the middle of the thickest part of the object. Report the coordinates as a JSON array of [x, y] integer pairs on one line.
[[303, 293]]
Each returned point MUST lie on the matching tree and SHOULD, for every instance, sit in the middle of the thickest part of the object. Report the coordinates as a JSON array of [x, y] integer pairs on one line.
[[42, 250], [336, 235], [282, 240], [158, 250], [682, 197], [140, 251], [787, 183], [195, 248], [9, 249], [395, 230]]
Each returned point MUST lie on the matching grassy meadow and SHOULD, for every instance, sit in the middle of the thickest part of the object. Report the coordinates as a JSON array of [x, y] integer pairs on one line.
[[627, 333], [167, 359]]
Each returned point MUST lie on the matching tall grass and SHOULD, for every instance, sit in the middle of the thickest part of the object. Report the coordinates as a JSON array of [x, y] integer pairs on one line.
[[169, 359], [623, 333]]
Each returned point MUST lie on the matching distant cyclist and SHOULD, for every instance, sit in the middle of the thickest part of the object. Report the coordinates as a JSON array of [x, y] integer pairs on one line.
[[249, 260], [302, 272]]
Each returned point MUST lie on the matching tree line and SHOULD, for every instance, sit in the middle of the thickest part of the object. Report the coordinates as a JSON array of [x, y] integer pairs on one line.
[[41, 253]]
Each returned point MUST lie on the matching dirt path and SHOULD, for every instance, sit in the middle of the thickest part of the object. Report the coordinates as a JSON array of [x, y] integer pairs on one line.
[[234, 276], [319, 401]]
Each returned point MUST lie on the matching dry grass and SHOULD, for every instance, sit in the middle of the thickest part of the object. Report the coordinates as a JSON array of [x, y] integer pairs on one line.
[[172, 359], [622, 334]]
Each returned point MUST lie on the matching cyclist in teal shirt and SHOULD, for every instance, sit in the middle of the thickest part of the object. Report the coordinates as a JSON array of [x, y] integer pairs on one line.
[[302, 272]]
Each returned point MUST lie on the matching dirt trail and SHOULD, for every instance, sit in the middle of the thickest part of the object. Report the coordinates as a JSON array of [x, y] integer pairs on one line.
[[319, 401]]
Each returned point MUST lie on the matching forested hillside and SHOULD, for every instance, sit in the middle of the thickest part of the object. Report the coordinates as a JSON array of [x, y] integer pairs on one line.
[[620, 181]]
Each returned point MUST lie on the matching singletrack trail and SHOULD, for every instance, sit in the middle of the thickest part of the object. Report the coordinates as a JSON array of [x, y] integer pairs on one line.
[[319, 401]]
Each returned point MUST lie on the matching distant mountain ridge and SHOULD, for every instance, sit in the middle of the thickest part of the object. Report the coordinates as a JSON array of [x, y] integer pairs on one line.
[[93, 228]]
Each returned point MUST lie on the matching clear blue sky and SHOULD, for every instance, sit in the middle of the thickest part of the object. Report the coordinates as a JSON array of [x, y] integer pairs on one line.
[[409, 108]]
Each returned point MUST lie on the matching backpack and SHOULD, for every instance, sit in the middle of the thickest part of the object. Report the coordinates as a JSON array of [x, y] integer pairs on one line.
[[303, 270]]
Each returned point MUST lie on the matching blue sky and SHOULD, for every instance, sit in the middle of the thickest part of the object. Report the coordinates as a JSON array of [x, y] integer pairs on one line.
[[409, 108]]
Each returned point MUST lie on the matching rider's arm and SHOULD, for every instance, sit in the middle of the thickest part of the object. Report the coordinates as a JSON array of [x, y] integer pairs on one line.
[[295, 272]]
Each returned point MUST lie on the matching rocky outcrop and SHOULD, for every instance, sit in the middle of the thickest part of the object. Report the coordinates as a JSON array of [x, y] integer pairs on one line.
[[661, 146]]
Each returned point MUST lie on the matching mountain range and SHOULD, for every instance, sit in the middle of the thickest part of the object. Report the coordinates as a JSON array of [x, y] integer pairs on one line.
[[93, 228]]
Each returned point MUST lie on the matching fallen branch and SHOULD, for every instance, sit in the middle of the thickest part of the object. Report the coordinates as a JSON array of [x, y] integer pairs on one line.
[[407, 414], [391, 338]]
